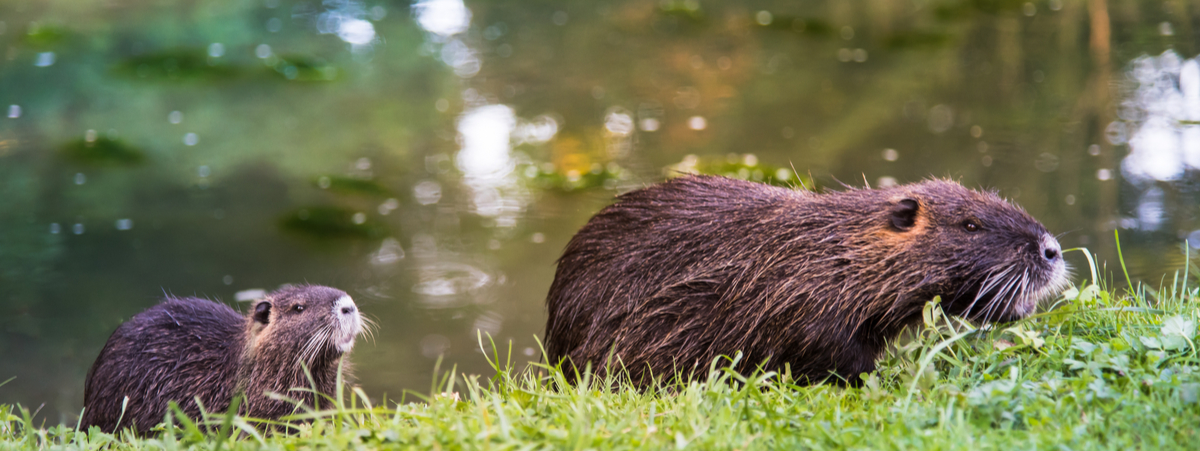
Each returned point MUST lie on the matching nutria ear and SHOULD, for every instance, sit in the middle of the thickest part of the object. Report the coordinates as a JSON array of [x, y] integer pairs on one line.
[[262, 312], [904, 214]]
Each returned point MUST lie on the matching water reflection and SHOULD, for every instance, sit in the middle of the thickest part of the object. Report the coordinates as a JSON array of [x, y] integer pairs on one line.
[[1150, 209], [449, 284], [442, 17], [463, 59], [1163, 112], [485, 135], [389, 253], [347, 19], [487, 164], [1160, 122]]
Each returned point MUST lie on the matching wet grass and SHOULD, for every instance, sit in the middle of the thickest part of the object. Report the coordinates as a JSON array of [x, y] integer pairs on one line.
[[1105, 367]]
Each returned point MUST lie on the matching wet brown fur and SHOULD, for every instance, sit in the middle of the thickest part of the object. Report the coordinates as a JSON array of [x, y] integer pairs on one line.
[[674, 275], [185, 349]]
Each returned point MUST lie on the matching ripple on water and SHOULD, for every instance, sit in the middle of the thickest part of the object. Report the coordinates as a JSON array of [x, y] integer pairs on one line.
[[452, 284]]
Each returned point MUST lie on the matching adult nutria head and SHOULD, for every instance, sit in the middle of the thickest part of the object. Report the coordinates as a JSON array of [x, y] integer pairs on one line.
[[987, 259], [676, 274], [185, 349]]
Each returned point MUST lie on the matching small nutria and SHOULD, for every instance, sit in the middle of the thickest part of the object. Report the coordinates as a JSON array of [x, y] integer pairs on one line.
[[674, 275], [186, 349]]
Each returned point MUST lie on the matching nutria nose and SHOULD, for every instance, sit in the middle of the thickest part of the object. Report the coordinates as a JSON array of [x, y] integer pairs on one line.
[[1050, 248], [344, 305]]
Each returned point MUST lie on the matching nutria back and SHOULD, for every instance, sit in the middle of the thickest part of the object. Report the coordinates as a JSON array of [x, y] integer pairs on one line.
[[189, 349], [674, 275]]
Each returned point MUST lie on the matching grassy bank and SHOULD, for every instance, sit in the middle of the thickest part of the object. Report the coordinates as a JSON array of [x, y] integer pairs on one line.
[[1104, 368]]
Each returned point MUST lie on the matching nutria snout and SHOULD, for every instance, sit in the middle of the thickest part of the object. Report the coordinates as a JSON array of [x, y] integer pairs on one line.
[[672, 276], [189, 349]]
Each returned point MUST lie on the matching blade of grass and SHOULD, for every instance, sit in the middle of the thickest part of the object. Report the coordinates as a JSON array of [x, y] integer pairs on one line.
[[1187, 263], [226, 429], [1121, 257], [1091, 262], [191, 431], [928, 358]]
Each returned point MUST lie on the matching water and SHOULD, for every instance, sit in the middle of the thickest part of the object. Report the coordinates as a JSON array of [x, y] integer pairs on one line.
[[433, 160]]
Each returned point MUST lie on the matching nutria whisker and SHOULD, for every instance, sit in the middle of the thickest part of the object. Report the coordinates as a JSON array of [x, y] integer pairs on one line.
[[992, 280], [1066, 233], [302, 356], [1020, 292], [1009, 296], [1024, 286], [369, 326], [315, 345], [1001, 295]]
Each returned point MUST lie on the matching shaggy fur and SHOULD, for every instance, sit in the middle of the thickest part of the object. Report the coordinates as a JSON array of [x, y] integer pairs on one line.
[[676, 274], [186, 349]]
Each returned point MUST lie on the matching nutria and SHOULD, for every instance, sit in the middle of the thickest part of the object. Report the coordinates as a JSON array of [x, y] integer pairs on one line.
[[189, 349], [672, 276]]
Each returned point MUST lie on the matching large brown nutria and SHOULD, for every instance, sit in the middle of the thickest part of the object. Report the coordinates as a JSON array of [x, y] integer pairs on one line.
[[674, 275], [185, 349]]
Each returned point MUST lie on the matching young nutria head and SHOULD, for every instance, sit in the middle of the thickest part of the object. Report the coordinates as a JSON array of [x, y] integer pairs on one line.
[[305, 323], [987, 259], [298, 336]]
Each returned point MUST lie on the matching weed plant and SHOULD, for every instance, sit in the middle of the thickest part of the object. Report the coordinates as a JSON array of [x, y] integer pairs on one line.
[[1102, 368]]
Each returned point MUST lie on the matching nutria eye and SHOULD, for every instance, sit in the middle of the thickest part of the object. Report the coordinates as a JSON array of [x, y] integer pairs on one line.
[[299, 308], [971, 226]]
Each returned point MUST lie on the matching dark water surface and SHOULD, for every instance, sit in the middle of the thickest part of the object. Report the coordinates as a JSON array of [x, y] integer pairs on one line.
[[433, 159]]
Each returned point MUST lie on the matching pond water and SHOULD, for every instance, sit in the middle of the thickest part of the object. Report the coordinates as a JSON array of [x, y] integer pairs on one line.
[[433, 159]]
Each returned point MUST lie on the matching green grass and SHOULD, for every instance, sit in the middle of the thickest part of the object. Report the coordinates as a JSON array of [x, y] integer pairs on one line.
[[1103, 368]]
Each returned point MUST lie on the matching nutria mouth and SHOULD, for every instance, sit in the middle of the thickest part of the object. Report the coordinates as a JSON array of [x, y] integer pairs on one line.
[[674, 275], [1011, 290]]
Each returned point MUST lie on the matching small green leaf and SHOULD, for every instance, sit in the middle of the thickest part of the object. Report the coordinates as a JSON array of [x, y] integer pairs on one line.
[[1089, 293], [1083, 346], [1179, 326], [1151, 342]]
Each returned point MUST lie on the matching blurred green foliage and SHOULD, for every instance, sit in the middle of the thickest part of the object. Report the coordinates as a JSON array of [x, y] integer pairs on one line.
[[325, 222], [101, 151]]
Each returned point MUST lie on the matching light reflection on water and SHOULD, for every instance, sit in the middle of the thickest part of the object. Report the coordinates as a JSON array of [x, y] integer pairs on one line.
[[434, 161], [442, 17], [1160, 122], [1163, 113]]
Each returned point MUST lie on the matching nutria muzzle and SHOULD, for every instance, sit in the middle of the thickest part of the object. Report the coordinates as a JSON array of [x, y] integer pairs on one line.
[[349, 324]]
